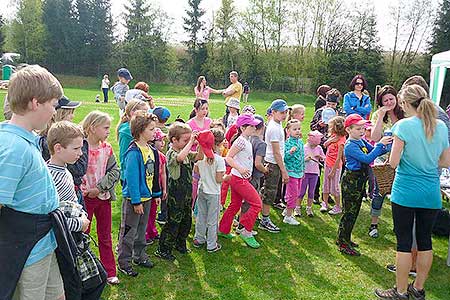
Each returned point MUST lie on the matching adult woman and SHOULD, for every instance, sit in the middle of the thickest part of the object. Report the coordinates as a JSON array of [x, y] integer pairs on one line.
[[356, 101], [105, 87], [202, 91], [388, 113], [420, 147]]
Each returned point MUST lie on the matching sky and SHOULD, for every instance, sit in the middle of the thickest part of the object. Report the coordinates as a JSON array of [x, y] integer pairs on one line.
[[176, 10]]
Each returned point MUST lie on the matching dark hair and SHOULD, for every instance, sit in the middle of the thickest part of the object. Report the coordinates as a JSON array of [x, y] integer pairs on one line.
[[238, 133], [386, 90], [198, 103], [419, 80], [322, 90], [353, 82], [140, 121], [261, 124], [199, 81]]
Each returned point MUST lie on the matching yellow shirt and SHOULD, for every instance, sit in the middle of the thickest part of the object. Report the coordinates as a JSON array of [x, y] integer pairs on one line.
[[149, 162], [237, 88]]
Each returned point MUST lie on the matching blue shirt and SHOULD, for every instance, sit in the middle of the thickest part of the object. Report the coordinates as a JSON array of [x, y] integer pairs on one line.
[[295, 162], [353, 105], [359, 152], [26, 184], [416, 182]]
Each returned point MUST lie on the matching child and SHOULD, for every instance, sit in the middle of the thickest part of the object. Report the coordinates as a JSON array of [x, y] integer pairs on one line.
[[121, 87], [163, 114], [65, 141], [140, 185], [98, 185], [259, 151], [240, 159], [294, 159], [211, 169], [358, 154], [274, 138], [179, 201], [297, 112], [232, 114], [97, 98], [159, 143], [333, 165], [313, 155], [33, 94]]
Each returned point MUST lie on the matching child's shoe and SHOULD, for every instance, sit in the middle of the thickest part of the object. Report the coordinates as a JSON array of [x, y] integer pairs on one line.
[[347, 249], [183, 249], [290, 220], [323, 207], [146, 263], [128, 271], [335, 210], [284, 212], [309, 211], [373, 231], [239, 230], [225, 235], [113, 280], [165, 255], [250, 241], [197, 244], [215, 249], [298, 211]]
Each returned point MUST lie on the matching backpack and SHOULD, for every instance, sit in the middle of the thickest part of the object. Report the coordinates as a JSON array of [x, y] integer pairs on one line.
[[441, 225]]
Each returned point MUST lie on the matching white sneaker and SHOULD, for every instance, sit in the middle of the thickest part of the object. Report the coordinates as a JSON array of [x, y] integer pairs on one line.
[[290, 220], [323, 207], [309, 212], [284, 212], [297, 211]]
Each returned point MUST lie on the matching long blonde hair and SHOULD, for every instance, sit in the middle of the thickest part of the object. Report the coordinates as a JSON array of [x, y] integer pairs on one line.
[[132, 106], [296, 108], [93, 119], [417, 97]]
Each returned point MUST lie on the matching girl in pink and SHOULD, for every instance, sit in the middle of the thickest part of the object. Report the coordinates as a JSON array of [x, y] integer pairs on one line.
[[202, 91], [98, 185], [333, 165], [240, 158], [198, 122], [313, 155]]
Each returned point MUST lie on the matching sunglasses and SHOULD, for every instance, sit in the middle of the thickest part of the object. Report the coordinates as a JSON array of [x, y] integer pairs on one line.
[[359, 83]]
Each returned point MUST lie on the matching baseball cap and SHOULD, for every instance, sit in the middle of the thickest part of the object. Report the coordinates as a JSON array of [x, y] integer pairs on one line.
[[246, 119], [332, 98], [159, 135], [66, 103], [354, 119], [233, 102], [279, 105], [205, 139], [122, 72], [161, 112]]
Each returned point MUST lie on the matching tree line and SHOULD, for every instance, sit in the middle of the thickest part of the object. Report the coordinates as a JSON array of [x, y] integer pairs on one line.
[[287, 45]]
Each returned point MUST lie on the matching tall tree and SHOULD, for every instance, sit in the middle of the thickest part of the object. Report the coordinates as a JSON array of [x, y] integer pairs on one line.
[[226, 32], [194, 27]]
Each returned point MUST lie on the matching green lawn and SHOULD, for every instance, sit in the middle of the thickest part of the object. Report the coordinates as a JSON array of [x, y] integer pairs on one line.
[[299, 263]]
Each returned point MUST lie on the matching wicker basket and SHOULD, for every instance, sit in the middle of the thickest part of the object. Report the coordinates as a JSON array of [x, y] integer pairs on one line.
[[385, 177]]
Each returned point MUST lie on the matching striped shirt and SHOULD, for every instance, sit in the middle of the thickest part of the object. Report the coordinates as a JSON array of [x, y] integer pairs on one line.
[[25, 183], [66, 192]]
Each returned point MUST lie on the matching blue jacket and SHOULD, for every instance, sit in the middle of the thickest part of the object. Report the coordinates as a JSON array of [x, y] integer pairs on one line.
[[134, 180], [352, 105], [125, 139], [355, 156]]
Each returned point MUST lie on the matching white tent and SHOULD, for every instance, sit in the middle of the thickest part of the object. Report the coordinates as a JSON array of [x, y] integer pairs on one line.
[[440, 62]]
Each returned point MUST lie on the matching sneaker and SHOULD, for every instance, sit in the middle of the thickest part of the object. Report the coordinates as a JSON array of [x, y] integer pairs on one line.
[[309, 212], [144, 263], [390, 294], [112, 280], [197, 244], [183, 250], [290, 220], [161, 221], [335, 211], [165, 255], [128, 271], [298, 211], [316, 201], [323, 207], [269, 226], [349, 250], [149, 241], [414, 294], [330, 200], [239, 230], [235, 222], [250, 241], [226, 235], [373, 231], [352, 244], [279, 205], [215, 249], [393, 269], [284, 212]]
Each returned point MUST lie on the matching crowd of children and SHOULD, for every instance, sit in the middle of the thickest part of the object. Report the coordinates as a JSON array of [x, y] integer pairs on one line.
[[184, 166]]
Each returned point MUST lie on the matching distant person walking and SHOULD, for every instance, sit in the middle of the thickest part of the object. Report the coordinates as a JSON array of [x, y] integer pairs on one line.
[[202, 90], [246, 92], [105, 87]]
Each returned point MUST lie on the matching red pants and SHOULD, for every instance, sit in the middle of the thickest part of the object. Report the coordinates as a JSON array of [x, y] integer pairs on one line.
[[101, 209], [224, 188], [241, 189], [151, 231]]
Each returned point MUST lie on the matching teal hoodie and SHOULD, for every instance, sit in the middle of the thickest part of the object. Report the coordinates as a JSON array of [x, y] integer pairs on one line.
[[125, 139]]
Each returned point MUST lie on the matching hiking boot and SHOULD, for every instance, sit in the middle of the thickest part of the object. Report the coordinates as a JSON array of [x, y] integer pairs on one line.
[[290, 220], [298, 211], [197, 244], [269, 226], [373, 231], [309, 212], [349, 250], [250, 241], [390, 294], [165, 255], [414, 294], [146, 263], [335, 211], [215, 249], [128, 271], [323, 207], [226, 235]]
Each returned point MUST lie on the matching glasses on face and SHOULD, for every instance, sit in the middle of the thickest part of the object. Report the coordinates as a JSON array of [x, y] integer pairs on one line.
[[359, 83]]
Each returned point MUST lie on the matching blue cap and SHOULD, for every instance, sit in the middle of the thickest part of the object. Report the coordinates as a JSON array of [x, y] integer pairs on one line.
[[122, 72], [279, 105], [161, 112]]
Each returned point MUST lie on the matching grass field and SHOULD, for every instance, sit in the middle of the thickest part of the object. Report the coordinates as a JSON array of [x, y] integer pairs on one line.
[[299, 263]]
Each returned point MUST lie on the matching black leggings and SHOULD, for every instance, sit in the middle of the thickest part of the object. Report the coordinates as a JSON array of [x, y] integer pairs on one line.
[[403, 225]]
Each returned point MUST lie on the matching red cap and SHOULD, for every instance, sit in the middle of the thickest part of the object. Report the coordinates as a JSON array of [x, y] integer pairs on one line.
[[354, 119], [206, 141]]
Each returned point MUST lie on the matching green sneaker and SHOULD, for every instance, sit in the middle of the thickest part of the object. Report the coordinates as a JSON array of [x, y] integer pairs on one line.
[[250, 241], [226, 235]]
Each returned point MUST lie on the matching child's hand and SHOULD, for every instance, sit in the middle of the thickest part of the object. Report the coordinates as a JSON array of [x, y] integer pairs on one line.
[[333, 139], [226, 177], [93, 193], [244, 172], [85, 223], [158, 201], [386, 140], [164, 195], [285, 176], [332, 173], [138, 209], [194, 136], [293, 149]]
